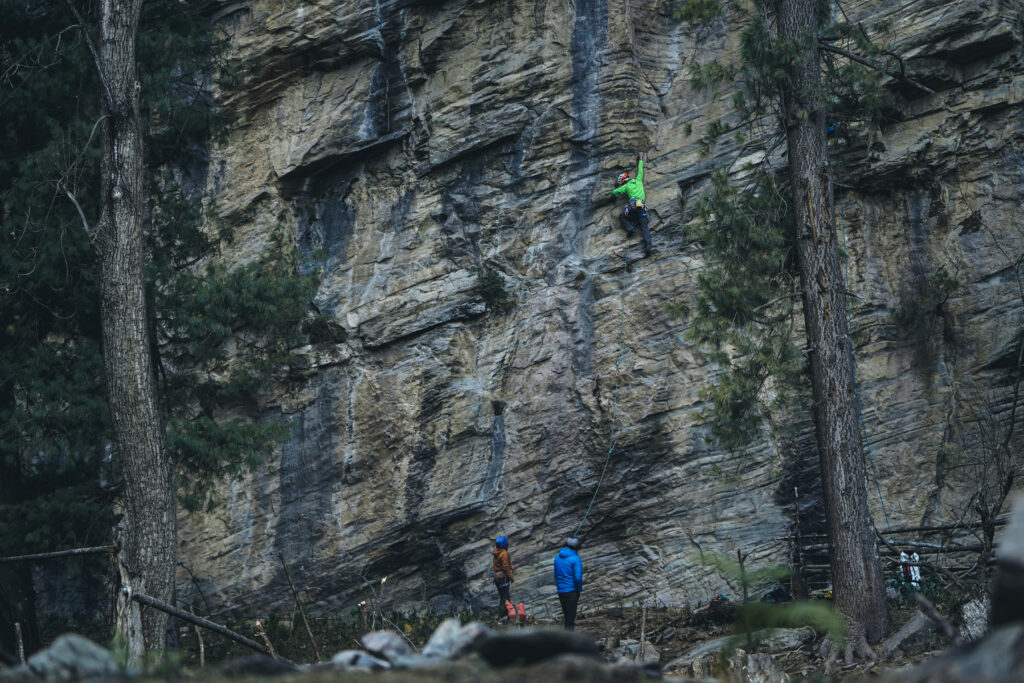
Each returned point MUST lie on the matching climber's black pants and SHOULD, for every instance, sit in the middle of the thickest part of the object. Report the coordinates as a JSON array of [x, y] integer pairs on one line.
[[629, 219], [570, 601], [502, 584]]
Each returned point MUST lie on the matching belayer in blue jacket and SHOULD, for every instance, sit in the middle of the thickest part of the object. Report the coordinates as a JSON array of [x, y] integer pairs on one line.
[[569, 580]]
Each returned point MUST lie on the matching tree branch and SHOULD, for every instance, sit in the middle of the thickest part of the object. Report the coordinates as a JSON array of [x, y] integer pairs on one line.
[[85, 222], [59, 554], [877, 67], [95, 57], [198, 621]]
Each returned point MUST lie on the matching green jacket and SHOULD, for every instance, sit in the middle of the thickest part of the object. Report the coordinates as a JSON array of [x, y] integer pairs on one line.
[[634, 187]]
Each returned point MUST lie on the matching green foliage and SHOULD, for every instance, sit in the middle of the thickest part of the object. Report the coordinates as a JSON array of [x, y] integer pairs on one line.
[[58, 483], [852, 92], [54, 479], [749, 579], [745, 306], [226, 332], [756, 620], [745, 310], [491, 288], [699, 12]]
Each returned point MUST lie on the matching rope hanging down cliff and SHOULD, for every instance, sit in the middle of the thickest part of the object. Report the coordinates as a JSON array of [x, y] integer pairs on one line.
[[615, 390]]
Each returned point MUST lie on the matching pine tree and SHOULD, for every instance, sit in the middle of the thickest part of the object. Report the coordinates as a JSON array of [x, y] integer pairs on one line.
[[763, 243], [54, 422], [856, 570]]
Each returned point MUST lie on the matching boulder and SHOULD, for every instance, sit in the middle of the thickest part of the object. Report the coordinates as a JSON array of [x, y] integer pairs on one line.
[[1008, 593], [70, 657], [699, 661], [758, 668], [629, 651], [451, 639], [780, 639], [973, 621], [387, 645], [529, 646], [996, 658]]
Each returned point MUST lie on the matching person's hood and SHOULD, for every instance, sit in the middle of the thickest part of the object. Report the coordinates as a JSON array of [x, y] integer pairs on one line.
[[566, 552], [495, 551]]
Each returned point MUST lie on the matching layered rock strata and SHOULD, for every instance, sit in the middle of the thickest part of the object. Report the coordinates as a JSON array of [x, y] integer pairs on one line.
[[404, 147]]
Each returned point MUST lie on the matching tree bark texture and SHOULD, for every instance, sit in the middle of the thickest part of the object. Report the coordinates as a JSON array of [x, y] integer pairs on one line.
[[856, 570], [149, 529]]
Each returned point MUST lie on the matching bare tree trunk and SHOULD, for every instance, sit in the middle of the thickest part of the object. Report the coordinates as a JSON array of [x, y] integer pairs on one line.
[[149, 529], [856, 570]]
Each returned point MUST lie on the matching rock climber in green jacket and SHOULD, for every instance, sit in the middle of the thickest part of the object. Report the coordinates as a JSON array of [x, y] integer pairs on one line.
[[635, 210]]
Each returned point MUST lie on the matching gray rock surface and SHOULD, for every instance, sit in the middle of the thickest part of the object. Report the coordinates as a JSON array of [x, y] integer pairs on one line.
[[629, 651], [70, 657], [759, 668], [451, 639], [386, 645], [1007, 605], [699, 661], [403, 146], [973, 621], [997, 658]]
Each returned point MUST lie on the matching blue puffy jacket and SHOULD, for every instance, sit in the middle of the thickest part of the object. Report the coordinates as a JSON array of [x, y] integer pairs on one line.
[[568, 571]]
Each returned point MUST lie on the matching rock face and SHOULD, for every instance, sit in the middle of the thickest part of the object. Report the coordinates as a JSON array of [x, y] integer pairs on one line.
[[406, 146]]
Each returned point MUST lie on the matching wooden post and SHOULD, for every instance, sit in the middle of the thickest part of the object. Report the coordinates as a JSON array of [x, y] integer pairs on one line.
[[261, 632], [202, 647], [643, 633], [21, 643], [798, 584]]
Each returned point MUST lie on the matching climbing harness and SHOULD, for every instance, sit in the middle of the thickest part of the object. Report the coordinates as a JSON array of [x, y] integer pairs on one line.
[[615, 389]]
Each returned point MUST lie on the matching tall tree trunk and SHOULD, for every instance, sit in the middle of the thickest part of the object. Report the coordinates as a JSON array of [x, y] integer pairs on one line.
[[149, 530], [856, 569]]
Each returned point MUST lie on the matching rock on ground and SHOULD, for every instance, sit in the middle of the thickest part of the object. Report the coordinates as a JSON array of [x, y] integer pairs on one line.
[[70, 657]]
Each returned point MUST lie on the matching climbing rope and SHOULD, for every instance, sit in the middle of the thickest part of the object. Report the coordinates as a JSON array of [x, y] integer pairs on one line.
[[615, 391], [853, 365]]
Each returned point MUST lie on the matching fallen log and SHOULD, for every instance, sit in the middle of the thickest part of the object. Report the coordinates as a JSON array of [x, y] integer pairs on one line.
[[148, 601], [60, 553]]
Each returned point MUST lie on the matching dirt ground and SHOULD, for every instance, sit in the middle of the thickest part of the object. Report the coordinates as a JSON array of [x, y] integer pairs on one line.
[[671, 631], [674, 632]]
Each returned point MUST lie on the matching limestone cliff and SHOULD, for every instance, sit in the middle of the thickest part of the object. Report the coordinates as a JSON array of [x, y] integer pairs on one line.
[[406, 145]]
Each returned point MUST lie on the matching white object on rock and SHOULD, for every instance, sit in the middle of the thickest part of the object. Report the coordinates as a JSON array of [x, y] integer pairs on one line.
[[357, 660]]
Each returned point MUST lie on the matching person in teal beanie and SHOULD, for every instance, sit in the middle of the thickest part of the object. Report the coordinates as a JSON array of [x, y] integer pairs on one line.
[[635, 211], [569, 580]]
